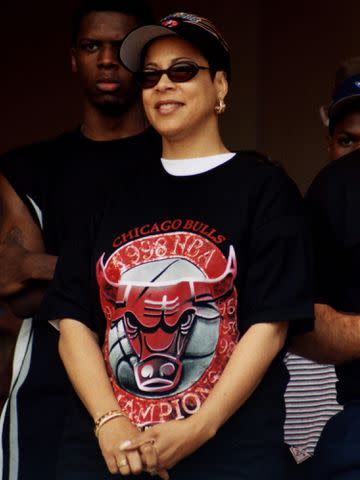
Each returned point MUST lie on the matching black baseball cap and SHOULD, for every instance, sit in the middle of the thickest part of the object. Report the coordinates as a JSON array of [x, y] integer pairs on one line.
[[345, 94], [198, 31]]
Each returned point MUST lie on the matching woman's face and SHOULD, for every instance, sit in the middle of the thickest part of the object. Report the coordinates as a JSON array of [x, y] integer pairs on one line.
[[181, 110]]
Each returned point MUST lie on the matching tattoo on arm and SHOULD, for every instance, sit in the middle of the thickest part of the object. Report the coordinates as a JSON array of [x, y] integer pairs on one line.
[[14, 236]]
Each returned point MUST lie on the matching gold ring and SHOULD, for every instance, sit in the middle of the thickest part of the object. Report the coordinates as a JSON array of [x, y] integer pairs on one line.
[[123, 463]]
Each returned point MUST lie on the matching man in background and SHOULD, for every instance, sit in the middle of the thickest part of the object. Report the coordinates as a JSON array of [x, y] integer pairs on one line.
[[44, 189], [311, 393], [333, 201]]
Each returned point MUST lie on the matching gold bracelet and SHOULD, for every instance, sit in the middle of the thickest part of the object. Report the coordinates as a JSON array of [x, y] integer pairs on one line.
[[106, 418]]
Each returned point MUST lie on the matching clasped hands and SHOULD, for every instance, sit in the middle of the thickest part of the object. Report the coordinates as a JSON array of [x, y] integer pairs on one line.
[[146, 449], [154, 450]]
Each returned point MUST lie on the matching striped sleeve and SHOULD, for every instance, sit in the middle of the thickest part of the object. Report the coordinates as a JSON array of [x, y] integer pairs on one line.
[[310, 401]]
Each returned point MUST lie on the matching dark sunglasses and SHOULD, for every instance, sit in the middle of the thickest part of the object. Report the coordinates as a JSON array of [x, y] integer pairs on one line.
[[178, 73]]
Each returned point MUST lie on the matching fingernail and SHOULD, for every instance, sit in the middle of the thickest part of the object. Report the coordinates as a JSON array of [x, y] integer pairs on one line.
[[125, 445]]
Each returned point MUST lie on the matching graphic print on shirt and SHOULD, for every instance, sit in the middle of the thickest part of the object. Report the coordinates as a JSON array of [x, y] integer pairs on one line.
[[170, 304]]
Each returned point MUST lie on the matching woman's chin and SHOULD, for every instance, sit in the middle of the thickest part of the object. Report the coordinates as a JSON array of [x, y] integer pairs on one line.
[[170, 133]]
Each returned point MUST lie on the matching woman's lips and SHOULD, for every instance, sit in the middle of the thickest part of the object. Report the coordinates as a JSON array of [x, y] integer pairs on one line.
[[167, 107]]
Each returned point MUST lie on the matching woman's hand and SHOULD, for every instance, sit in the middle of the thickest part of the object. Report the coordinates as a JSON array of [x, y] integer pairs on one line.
[[111, 435], [90, 379], [173, 440], [177, 439]]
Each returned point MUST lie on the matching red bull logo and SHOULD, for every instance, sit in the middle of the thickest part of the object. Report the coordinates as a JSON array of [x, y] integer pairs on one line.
[[159, 315], [170, 303]]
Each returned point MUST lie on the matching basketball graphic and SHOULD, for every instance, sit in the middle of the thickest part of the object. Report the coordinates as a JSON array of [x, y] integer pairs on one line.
[[170, 305]]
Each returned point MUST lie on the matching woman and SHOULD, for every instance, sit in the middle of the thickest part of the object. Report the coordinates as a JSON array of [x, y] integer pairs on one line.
[[197, 272]]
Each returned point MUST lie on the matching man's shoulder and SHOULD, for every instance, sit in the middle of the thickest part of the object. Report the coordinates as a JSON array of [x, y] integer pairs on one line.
[[37, 149], [29, 168], [340, 175], [343, 167]]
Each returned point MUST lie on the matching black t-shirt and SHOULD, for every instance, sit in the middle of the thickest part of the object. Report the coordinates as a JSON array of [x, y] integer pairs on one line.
[[60, 180], [333, 201], [173, 271], [63, 178]]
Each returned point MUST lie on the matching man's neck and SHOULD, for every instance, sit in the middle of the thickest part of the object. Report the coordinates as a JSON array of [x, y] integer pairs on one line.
[[98, 126]]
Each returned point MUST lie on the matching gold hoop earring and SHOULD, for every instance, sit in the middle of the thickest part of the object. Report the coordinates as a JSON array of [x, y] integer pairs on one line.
[[220, 107]]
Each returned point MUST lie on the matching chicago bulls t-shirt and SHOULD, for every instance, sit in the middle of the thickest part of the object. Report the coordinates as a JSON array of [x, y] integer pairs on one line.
[[173, 272]]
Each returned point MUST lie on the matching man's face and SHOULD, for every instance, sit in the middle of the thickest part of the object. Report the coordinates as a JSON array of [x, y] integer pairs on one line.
[[346, 136], [106, 84]]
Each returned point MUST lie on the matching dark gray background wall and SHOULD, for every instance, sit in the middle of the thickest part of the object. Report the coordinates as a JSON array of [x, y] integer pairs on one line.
[[301, 46], [284, 57]]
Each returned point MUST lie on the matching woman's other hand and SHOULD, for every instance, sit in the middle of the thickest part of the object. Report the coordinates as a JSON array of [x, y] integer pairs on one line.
[[173, 440]]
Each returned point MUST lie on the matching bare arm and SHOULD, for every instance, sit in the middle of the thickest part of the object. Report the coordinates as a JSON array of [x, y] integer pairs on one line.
[[335, 338], [255, 352], [84, 363], [23, 264], [80, 352], [248, 364]]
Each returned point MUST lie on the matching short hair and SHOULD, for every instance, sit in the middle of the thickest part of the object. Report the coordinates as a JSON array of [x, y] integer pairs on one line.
[[139, 9]]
